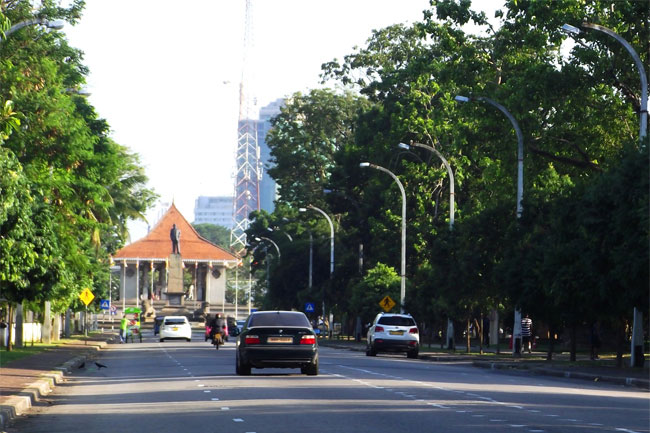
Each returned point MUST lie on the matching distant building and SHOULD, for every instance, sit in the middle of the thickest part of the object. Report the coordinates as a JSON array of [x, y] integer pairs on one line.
[[267, 185], [213, 210]]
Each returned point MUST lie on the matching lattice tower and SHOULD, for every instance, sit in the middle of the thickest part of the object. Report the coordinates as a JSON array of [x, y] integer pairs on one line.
[[248, 165]]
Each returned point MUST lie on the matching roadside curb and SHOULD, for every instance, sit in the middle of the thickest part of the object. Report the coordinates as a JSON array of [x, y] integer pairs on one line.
[[505, 365], [627, 381], [16, 405]]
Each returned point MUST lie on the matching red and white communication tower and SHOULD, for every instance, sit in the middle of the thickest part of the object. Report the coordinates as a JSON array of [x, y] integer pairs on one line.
[[248, 174]]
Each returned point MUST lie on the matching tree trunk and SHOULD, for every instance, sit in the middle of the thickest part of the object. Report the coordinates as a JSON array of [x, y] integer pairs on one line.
[[620, 335], [10, 326], [551, 343], [468, 337], [573, 343], [479, 328]]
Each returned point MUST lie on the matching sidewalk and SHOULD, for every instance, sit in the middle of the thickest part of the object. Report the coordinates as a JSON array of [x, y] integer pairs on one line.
[[586, 369], [26, 381]]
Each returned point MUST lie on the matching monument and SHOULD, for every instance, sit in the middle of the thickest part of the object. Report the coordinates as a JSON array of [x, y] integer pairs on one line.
[[175, 291]]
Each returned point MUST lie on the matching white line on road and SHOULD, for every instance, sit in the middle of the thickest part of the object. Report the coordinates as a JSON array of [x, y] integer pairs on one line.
[[238, 420], [626, 430]]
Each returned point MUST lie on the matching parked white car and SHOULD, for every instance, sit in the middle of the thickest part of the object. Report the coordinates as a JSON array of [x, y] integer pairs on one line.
[[393, 333], [175, 327]]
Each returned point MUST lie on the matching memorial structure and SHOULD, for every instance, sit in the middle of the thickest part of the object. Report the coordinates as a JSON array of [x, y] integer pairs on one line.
[[167, 268]]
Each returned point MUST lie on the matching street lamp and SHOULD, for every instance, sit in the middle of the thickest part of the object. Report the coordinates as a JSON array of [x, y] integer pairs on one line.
[[643, 112], [361, 221], [260, 238], [55, 25], [637, 327], [403, 260], [449, 172], [520, 145], [516, 329], [329, 220], [271, 229]]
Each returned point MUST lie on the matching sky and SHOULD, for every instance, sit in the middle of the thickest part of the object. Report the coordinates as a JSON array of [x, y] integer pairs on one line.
[[165, 75]]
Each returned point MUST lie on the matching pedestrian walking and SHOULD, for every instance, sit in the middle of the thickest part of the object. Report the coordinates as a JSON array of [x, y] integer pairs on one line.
[[123, 323], [526, 333]]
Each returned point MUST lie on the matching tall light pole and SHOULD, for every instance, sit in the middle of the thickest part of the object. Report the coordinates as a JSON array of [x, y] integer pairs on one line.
[[361, 221], [56, 25], [643, 112], [520, 145], [260, 238], [516, 329], [637, 327], [329, 220], [403, 258], [452, 200]]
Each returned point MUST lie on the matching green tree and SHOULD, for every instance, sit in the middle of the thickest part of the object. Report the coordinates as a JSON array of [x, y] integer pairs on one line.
[[218, 235]]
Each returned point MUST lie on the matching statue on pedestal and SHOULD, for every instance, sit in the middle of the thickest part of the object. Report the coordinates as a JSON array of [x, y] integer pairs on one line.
[[175, 235]]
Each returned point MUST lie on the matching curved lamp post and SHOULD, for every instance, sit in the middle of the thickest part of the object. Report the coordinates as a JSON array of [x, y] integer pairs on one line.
[[403, 260], [637, 327], [520, 144], [520, 194], [361, 222], [260, 238], [643, 112], [56, 25], [452, 199], [329, 220]]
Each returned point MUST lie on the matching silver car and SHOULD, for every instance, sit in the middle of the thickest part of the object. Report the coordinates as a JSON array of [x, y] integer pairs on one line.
[[393, 333]]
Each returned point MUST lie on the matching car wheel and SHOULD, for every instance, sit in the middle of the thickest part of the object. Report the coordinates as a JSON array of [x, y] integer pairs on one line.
[[413, 354], [188, 339], [370, 350], [162, 340], [311, 369], [242, 369]]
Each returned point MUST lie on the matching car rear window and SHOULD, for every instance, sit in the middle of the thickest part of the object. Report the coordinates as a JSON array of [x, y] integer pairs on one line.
[[396, 321], [174, 321], [279, 319]]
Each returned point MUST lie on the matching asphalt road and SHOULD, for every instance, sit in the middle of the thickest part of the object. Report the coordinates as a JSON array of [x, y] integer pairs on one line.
[[176, 386]]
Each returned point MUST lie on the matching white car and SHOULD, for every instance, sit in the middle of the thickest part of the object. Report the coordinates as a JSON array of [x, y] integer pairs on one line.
[[175, 327], [393, 333]]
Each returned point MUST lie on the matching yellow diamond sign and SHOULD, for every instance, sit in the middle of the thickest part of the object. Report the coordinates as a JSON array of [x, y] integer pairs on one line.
[[387, 303], [86, 296]]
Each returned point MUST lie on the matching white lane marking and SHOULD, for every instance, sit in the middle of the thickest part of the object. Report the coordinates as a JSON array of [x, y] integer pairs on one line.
[[478, 416], [497, 420], [551, 415], [225, 408], [596, 424], [238, 420], [569, 419], [517, 425], [513, 406], [536, 431], [626, 430], [534, 411], [438, 405], [214, 399], [207, 391]]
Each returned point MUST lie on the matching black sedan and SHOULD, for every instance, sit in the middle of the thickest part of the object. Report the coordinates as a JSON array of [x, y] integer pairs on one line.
[[277, 339]]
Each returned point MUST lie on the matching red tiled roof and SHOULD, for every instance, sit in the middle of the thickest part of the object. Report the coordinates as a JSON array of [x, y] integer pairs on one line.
[[158, 244]]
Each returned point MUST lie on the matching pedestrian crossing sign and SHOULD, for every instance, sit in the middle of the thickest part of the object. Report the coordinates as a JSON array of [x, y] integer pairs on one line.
[[86, 296], [104, 304], [387, 303], [309, 307]]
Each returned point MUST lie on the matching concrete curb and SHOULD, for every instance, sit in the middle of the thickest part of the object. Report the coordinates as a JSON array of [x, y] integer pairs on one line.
[[505, 365], [627, 381], [16, 405]]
